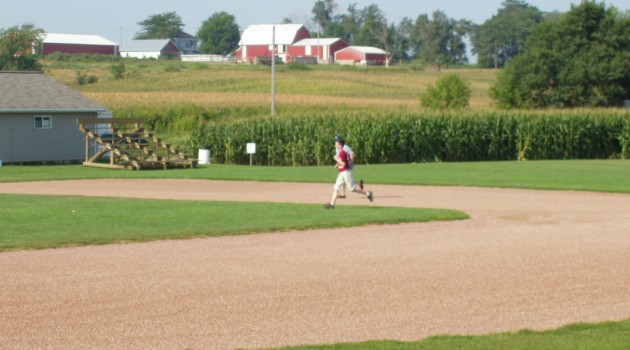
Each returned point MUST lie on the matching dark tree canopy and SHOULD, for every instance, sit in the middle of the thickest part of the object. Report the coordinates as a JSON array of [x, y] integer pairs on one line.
[[16, 47], [504, 35], [162, 26], [219, 34], [582, 59]]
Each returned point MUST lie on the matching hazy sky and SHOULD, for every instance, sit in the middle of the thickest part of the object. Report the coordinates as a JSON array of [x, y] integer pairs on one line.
[[114, 19]]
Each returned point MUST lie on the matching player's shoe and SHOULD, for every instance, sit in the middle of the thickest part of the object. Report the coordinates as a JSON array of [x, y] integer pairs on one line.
[[361, 184], [329, 206], [370, 195]]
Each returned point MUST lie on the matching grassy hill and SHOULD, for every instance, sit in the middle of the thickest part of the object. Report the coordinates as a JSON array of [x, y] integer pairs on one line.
[[247, 88]]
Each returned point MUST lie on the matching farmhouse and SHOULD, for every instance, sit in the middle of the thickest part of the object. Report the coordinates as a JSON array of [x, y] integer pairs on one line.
[[38, 119], [153, 48], [186, 44], [321, 50], [361, 55], [75, 43], [256, 41]]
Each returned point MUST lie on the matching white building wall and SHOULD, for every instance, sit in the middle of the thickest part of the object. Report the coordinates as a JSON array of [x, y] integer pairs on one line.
[[140, 54]]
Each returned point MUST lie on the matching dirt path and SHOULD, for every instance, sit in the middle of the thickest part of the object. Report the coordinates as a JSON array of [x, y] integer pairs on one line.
[[525, 259]]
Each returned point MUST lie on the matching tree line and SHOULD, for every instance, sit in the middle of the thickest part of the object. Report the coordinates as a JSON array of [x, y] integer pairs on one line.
[[434, 39]]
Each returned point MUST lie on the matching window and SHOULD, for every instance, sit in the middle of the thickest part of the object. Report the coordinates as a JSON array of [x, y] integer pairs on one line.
[[43, 122]]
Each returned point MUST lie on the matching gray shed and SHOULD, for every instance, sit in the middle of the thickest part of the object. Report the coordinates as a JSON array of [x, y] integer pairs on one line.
[[38, 119]]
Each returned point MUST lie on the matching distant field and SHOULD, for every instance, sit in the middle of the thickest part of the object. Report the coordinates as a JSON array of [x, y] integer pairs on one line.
[[171, 83]]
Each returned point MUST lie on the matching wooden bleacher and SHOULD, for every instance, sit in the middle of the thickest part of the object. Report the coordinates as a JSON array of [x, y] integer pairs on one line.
[[126, 145]]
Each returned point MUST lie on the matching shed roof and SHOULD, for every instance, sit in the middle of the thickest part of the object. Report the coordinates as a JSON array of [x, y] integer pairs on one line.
[[317, 42], [366, 49], [262, 34], [78, 39], [36, 92], [150, 45]]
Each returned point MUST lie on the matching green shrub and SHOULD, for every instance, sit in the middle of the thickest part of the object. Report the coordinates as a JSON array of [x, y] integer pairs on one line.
[[449, 92], [118, 70], [83, 78]]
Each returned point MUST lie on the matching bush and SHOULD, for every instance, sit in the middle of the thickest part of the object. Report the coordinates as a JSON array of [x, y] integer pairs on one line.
[[449, 92], [118, 70], [83, 78]]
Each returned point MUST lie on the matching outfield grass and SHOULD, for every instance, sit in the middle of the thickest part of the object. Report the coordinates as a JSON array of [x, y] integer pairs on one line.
[[40, 222], [581, 175], [601, 336]]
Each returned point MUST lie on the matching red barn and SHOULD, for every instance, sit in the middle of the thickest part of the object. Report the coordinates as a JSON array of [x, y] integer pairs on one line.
[[256, 40], [75, 43], [321, 49], [361, 55]]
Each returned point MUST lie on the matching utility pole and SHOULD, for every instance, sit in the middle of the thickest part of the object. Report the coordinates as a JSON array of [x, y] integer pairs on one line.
[[273, 71]]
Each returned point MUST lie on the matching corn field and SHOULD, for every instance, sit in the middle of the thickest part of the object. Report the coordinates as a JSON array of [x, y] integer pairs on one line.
[[385, 138]]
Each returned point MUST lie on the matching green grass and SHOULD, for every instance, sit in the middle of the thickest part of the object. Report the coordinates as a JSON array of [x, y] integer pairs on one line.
[[40, 222], [581, 175], [601, 336]]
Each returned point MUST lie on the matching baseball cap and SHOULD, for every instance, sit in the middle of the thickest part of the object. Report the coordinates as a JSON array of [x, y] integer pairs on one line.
[[338, 138]]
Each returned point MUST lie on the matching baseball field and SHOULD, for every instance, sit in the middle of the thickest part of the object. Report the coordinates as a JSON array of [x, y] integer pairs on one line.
[[534, 259]]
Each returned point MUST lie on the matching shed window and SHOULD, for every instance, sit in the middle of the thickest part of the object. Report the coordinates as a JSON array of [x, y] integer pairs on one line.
[[43, 122]]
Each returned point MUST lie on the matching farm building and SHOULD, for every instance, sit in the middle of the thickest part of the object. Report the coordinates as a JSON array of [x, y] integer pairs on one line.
[[256, 41], [154, 48], [361, 55], [186, 43], [76, 43], [322, 50], [38, 119]]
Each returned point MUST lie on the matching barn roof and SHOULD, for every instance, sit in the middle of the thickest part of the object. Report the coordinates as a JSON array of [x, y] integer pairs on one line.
[[78, 39], [150, 45], [317, 42], [36, 92], [262, 34]]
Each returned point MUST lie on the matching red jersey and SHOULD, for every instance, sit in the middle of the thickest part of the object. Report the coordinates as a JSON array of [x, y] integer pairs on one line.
[[343, 156]]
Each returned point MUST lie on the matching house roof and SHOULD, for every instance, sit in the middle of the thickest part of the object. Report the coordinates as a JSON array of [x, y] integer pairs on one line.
[[317, 42], [149, 45], [183, 35], [36, 92], [78, 39], [262, 34]]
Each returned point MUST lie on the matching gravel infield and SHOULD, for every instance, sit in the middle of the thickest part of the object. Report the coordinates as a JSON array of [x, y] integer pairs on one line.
[[525, 259]]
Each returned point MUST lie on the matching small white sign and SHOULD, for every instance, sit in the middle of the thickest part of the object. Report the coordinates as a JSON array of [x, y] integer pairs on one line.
[[251, 148]]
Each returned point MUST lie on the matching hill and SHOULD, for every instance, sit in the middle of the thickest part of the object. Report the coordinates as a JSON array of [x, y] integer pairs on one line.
[[247, 88]]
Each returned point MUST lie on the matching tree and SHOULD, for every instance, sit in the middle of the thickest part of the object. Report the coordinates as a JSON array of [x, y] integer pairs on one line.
[[449, 92], [504, 35], [346, 26], [374, 29], [581, 59], [219, 34], [16, 47], [440, 40], [323, 14], [163, 26]]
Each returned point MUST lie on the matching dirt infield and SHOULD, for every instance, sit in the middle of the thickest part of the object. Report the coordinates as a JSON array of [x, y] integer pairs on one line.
[[525, 259]]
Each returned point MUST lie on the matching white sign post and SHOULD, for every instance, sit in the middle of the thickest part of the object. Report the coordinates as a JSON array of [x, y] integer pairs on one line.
[[251, 149]]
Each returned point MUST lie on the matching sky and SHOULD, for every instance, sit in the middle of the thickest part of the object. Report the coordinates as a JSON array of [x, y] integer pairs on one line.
[[117, 20]]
